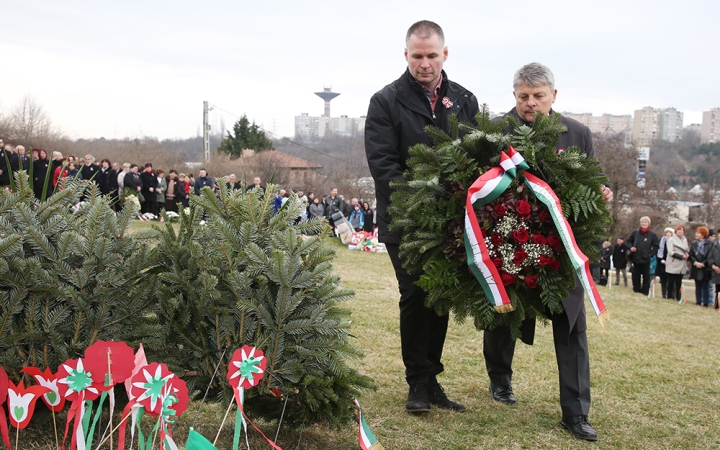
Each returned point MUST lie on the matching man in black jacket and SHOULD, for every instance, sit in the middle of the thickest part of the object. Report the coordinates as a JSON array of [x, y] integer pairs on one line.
[[534, 92], [396, 119]]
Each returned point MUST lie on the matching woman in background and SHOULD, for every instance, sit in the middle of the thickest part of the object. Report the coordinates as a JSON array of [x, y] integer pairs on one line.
[[678, 253], [699, 269]]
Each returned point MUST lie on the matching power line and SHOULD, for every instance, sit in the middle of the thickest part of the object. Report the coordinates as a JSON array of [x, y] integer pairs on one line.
[[292, 141]]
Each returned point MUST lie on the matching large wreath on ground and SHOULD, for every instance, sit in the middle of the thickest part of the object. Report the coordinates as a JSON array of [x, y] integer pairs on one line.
[[428, 207]]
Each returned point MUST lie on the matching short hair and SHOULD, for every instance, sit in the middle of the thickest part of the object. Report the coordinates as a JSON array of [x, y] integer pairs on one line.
[[159, 172], [106, 160], [57, 153], [535, 75], [126, 165], [148, 165], [680, 227], [704, 231], [20, 147], [424, 29], [90, 156], [182, 175], [647, 219], [133, 165]]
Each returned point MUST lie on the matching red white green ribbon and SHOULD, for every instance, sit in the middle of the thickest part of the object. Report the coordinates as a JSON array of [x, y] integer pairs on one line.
[[580, 262], [484, 190], [490, 186], [366, 438]]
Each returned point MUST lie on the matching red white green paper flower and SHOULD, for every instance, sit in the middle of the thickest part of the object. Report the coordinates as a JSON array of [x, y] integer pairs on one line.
[[21, 402], [148, 386], [247, 367], [75, 382], [53, 400]]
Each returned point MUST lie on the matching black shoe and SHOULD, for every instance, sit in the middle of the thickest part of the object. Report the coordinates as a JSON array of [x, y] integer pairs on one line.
[[437, 397], [579, 427], [417, 401], [502, 394]]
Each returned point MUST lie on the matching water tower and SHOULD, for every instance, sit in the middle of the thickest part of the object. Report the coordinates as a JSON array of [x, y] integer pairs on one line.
[[327, 95]]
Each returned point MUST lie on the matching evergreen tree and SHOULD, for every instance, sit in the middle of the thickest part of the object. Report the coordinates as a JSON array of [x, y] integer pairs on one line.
[[247, 136], [246, 276], [70, 274]]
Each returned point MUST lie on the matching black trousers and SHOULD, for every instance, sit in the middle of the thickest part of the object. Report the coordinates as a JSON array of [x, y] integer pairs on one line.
[[638, 271], [571, 352], [422, 330], [674, 284]]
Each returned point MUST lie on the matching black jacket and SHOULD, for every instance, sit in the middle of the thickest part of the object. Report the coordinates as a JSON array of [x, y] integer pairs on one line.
[[577, 134], [396, 120], [702, 257], [620, 255], [332, 205], [149, 180], [646, 245]]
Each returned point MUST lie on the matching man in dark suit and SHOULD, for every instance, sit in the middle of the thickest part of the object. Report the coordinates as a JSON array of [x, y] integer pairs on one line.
[[534, 92], [396, 120]]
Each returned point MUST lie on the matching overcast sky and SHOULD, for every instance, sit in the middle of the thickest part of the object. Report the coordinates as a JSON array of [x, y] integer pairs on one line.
[[143, 68]]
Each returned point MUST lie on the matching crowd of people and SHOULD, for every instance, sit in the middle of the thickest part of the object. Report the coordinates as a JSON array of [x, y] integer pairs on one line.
[[157, 190], [669, 259]]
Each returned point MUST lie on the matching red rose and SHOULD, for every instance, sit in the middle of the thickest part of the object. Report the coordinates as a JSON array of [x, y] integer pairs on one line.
[[497, 262], [544, 260], [531, 281], [507, 279], [522, 208], [554, 264], [555, 243], [544, 216], [520, 235], [538, 238], [519, 256], [497, 239], [500, 210]]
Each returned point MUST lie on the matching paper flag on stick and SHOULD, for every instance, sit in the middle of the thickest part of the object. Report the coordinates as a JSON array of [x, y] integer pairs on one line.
[[21, 402], [197, 441], [3, 396], [53, 400]]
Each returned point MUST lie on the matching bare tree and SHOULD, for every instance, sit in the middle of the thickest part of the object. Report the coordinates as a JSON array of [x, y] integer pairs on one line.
[[620, 165], [30, 124]]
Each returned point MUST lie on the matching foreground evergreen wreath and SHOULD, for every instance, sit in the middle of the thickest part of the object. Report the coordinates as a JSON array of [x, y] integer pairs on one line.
[[244, 275], [70, 274], [429, 207]]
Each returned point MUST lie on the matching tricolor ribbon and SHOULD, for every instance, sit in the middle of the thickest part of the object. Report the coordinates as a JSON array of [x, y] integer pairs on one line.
[[490, 186], [366, 438]]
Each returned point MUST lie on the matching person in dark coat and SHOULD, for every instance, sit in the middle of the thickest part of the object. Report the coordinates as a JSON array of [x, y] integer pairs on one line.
[[534, 91], [605, 255], [114, 186], [620, 260], [5, 170], [713, 260], [149, 186], [89, 170], [396, 120], [40, 170], [368, 218], [643, 244], [103, 177], [700, 265], [203, 180], [23, 159]]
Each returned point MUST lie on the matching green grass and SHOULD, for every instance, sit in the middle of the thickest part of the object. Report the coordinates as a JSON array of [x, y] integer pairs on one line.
[[654, 374]]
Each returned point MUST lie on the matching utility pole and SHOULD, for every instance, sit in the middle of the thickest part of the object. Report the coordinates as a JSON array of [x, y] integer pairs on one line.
[[206, 132]]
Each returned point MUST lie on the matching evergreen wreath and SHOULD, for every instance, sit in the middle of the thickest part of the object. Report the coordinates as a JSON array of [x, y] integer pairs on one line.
[[428, 207]]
